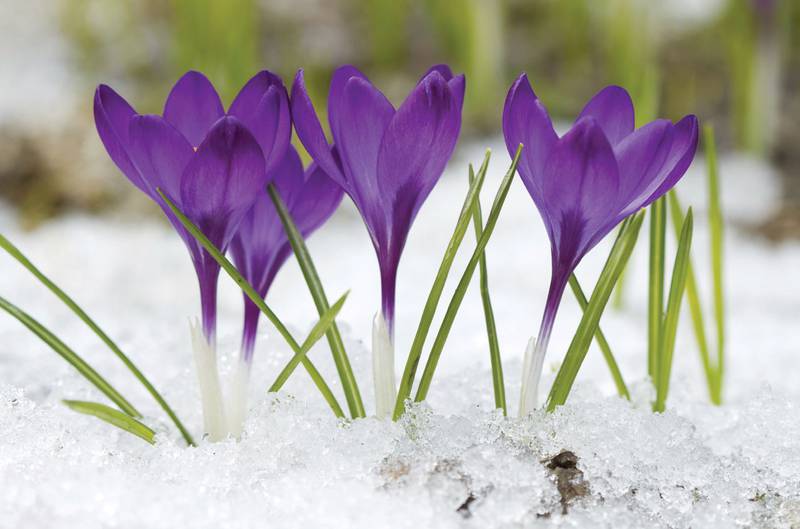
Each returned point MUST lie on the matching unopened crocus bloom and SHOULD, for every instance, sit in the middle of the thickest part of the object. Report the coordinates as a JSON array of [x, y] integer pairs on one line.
[[387, 161], [261, 246], [212, 164], [587, 181]]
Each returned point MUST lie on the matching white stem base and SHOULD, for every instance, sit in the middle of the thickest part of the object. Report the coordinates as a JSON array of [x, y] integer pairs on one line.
[[531, 374], [236, 409], [383, 368], [205, 359]]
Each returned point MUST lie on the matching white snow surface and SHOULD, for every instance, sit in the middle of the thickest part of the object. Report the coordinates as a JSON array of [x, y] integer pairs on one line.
[[296, 465]]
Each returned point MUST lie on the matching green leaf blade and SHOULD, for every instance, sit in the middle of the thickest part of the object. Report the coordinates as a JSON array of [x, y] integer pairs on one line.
[[671, 317], [73, 358], [461, 289], [111, 344], [349, 384], [435, 294], [618, 257], [251, 293], [113, 417]]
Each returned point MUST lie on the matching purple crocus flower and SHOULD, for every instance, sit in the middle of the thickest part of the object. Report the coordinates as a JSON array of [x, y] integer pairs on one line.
[[588, 180], [260, 247], [387, 161], [213, 165]]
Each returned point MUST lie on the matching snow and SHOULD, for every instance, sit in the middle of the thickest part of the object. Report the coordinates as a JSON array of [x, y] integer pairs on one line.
[[452, 462]]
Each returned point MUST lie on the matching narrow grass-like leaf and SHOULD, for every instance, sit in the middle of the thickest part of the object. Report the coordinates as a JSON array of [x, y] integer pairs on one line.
[[498, 385], [672, 314], [618, 302], [613, 367], [316, 333], [70, 356], [461, 289], [75, 308], [349, 383], [695, 305], [620, 253], [716, 227], [112, 417], [435, 294], [655, 305], [251, 293]]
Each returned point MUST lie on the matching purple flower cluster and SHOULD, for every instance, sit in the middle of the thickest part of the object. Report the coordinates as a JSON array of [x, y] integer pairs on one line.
[[216, 164]]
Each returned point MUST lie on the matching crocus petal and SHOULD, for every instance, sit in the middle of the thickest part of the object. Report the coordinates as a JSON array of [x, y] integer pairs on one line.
[[641, 156], [416, 146], [339, 80], [612, 107], [363, 114], [680, 157], [580, 193], [263, 106], [310, 132], [525, 120], [316, 201], [222, 180], [193, 106], [456, 82], [161, 153], [112, 115]]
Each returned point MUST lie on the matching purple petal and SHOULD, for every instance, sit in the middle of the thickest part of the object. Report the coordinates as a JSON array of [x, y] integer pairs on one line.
[[336, 93], [112, 115], [317, 200], [612, 107], [525, 121], [680, 157], [641, 156], [417, 145], [193, 106], [363, 115], [222, 180], [456, 82], [263, 106], [581, 191], [160, 153], [310, 132]]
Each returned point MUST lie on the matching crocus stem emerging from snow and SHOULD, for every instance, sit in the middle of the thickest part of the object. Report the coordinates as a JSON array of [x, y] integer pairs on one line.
[[534, 357], [383, 366], [348, 379], [318, 331], [205, 359], [75, 308], [618, 257]]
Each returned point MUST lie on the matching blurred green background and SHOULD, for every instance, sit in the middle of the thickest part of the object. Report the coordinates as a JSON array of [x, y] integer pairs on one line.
[[735, 63]]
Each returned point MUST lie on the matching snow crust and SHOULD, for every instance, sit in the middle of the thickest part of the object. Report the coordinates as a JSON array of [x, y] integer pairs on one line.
[[453, 462]]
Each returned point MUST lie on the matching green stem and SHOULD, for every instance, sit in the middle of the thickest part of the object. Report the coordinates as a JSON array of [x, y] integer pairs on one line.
[[435, 294], [73, 358], [655, 307], [461, 289], [296, 240], [69, 302], [620, 253], [498, 384], [716, 224], [613, 367]]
